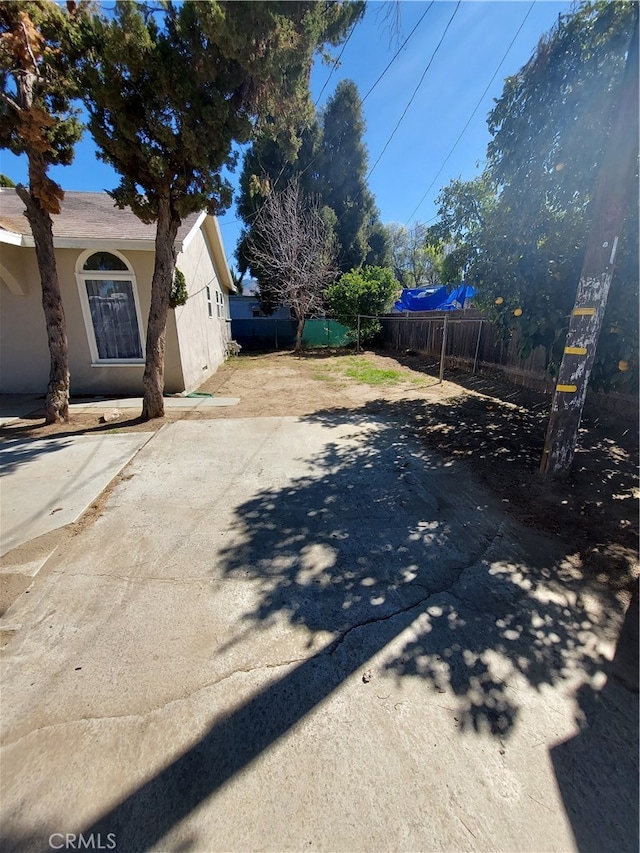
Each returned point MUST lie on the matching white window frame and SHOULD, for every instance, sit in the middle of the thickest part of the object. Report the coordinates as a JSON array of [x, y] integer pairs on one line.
[[109, 275], [207, 292]]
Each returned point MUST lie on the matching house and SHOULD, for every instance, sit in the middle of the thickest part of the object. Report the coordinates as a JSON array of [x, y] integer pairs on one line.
[[255, 330], [105, 260], [249, 308]]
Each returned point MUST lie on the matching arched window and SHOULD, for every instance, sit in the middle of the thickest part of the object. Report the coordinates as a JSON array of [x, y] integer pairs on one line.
[[104, 262], [110, 305]]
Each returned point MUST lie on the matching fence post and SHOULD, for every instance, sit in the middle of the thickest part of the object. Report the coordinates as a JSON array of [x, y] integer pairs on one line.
[[475, 358], [358, 336], [444, 346]]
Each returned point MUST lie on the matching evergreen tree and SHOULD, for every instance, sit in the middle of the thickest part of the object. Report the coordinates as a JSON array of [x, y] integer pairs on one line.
[[266, 169], [343, 172], [36, 119], [330, 168], [168, 96]]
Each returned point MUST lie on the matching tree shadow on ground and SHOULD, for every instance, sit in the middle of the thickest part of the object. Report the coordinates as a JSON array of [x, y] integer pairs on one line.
[[499, 432], [389, 556], [15, 452], [26, 441]]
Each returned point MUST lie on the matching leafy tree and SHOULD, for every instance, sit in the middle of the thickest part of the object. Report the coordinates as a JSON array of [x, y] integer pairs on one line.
[[342, 176], [6, 182], [168, 96], [550, 129], [37, 119], [367, 292], [416, 254], [291, 243], [464, 210], [520, 228]]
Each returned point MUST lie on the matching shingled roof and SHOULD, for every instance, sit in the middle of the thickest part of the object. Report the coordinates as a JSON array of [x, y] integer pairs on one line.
[[85, 216]]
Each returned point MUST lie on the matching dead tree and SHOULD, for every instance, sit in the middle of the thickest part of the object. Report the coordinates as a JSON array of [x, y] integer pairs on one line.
[[294, 249]]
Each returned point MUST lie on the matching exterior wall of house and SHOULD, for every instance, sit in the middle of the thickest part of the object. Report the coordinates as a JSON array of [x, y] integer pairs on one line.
[[24, 355], [248, 308], [202, 324]]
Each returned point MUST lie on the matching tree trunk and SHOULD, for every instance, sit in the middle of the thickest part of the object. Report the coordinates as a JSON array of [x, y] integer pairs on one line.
[[608, 208], [299, 330], [163, 272], [57, 400]]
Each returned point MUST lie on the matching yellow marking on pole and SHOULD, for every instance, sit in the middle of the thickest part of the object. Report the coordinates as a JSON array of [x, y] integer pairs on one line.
[[568, 388], [575, 350], [583, 312]]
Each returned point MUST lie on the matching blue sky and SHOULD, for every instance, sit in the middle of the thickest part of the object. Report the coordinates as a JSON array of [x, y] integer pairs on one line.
[[406, 181]]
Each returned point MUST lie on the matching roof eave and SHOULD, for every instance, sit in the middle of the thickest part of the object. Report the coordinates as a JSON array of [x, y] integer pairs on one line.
[[212, 229], [12, 238], [122, 243]]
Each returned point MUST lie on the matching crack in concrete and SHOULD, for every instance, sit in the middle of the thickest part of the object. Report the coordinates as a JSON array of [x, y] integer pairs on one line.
[[144, 578], [156, 709], [328, 651], [335, 644]]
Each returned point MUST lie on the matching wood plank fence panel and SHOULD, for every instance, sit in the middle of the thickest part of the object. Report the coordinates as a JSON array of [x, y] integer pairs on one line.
[[421, 332]]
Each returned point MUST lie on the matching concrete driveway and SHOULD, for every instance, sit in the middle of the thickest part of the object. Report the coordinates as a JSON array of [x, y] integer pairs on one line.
[[49, 482], [287, 634]]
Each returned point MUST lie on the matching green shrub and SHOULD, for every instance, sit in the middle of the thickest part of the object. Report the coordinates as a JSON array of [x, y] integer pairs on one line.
[[179, 293], [367, 292]]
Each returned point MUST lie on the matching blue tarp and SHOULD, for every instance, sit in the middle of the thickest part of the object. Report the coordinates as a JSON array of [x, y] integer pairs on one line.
[[426, 299]]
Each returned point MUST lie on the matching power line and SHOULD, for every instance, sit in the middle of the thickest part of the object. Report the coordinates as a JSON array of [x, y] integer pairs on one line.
[[398, 52], [389, 64], [334, 66], [371, 89], [415, 91], [476, 108]]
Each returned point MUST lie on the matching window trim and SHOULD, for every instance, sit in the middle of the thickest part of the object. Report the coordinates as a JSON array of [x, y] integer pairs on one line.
[[107, 275]]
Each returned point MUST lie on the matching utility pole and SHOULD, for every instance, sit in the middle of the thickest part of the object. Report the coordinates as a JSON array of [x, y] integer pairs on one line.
[[615, 181]]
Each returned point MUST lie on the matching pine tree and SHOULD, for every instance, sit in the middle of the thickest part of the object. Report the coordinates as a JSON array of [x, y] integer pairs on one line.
[[330, 171], [343, 172], [37, 86], [169, 95]]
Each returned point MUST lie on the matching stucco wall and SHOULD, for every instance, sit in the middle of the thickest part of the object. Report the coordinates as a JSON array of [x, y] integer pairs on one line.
[[202, 339], [24, 356]]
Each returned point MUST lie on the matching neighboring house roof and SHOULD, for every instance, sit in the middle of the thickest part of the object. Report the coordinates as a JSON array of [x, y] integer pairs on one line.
[[91, 220]]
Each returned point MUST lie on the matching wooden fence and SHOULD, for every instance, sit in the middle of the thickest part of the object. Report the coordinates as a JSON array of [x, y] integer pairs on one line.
[[471, 343]]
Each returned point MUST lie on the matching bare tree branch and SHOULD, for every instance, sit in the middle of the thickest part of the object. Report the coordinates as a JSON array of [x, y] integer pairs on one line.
[[10, 102], [293, 247], [28, 46]]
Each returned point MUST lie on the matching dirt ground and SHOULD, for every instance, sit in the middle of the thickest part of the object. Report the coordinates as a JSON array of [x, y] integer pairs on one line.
[[496, 428]]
